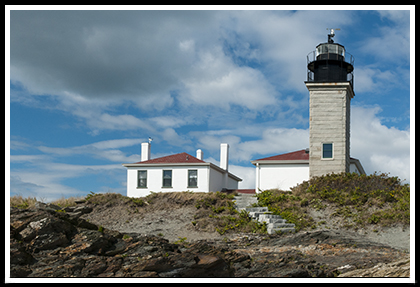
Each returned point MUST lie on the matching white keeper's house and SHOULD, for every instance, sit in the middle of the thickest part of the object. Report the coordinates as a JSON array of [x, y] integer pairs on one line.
[[179, 172], [284, 171]]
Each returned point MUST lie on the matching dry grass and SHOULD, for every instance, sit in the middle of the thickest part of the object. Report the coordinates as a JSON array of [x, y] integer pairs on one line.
[[20, 202], [29, 202]]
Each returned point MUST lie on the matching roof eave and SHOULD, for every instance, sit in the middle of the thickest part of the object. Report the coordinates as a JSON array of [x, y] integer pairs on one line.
[[218, 168], [295, 161], [358, 165], [165, 164]]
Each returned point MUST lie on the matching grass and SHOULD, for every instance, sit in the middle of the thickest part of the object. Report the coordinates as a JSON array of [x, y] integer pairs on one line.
[[29, 202], [21, 202], [358, 200], [355, 200]]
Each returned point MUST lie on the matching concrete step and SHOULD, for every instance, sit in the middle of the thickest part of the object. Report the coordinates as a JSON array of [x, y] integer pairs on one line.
[[275, 223], [241, 203], [271, 220], [251, 199], [242, 196], [244, 203], [269, 216], [256, 215], [257, 209]]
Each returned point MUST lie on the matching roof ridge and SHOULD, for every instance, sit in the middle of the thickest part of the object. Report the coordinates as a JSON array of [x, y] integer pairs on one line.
[[181, 157]]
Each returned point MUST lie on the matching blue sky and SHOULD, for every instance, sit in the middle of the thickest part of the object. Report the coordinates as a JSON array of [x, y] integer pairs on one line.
[[88, 87]]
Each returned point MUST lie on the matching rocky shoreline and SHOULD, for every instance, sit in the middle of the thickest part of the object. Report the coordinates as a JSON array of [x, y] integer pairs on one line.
[[49, 242]]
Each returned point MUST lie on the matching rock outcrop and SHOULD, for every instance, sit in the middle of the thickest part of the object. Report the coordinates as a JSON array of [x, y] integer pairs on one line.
[[399, 268], [51, 242]]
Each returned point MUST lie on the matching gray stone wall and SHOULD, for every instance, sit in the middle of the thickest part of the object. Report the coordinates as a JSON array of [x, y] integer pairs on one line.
[[329, 122]]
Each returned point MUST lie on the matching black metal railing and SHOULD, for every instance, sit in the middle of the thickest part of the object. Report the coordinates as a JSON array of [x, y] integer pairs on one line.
[[312, 57]]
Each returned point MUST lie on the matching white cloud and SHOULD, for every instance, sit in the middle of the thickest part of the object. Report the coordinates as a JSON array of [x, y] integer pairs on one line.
[[376, 80], [274, 141], [172, 137], [118, 143], [43, 179], [143, 56], [393, 42], [378, 147], [105, 150], [216, 81]]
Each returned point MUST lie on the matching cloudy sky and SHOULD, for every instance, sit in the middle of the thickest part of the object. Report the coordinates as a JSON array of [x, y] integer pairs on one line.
[[88, 87]]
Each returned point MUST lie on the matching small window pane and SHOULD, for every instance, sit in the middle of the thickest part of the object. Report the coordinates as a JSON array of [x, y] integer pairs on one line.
[[327, 150], [167, 178], [192, 178], [142, 178]]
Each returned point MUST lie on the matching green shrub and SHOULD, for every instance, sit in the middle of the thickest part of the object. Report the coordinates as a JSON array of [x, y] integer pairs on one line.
[[354, 197]]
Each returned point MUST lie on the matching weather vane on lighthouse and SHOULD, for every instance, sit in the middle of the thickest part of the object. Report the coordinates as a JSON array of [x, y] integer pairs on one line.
[[332, 34]]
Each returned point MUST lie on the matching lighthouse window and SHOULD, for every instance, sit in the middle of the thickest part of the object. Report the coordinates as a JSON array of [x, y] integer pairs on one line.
[[327, 150]]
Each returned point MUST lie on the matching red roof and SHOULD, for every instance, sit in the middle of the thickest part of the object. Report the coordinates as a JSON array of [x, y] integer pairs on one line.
[[296, 155], [175, 158]]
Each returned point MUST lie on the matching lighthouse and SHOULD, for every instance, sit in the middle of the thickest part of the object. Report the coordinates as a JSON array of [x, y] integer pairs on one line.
[[330, 82]]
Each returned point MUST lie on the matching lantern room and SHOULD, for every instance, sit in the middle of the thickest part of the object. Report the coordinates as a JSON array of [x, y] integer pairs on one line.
[[330, 62]]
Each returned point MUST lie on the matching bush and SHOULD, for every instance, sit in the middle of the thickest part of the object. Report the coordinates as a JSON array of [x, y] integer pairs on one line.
[[355, 197]]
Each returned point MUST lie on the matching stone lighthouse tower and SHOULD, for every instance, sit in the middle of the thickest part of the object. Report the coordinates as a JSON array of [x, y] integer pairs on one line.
[[330, 85]]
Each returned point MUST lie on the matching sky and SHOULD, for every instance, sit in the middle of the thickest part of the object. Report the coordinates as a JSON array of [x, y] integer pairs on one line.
[[87, 87]]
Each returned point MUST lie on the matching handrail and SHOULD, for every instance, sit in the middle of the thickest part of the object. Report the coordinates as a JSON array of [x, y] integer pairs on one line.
[[311, 57]]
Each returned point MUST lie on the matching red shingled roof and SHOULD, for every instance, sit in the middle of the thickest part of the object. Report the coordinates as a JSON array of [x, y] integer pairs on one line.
[[296, 155], [175, 158]]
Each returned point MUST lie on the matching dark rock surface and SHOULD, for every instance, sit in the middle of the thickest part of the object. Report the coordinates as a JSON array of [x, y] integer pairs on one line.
[[50, 242]]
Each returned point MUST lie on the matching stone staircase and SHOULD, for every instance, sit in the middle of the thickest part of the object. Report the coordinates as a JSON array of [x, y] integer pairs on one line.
[[274, 222]]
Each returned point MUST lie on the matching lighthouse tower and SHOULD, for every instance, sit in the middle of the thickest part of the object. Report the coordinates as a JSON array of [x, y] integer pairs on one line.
[[330, 84]]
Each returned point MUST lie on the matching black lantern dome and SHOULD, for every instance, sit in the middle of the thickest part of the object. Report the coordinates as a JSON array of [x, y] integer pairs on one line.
[[330, 63]]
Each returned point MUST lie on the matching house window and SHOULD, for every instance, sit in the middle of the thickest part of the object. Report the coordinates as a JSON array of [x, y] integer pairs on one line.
[[167, 178], [327, 150], [142, 178], [192, 178]]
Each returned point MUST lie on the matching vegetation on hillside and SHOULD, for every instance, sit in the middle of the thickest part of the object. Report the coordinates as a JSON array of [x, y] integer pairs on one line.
[[354, 201]]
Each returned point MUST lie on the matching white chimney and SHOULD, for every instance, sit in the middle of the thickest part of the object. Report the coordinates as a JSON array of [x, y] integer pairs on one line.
[[145, 151], [199, 154], [224, 156]]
